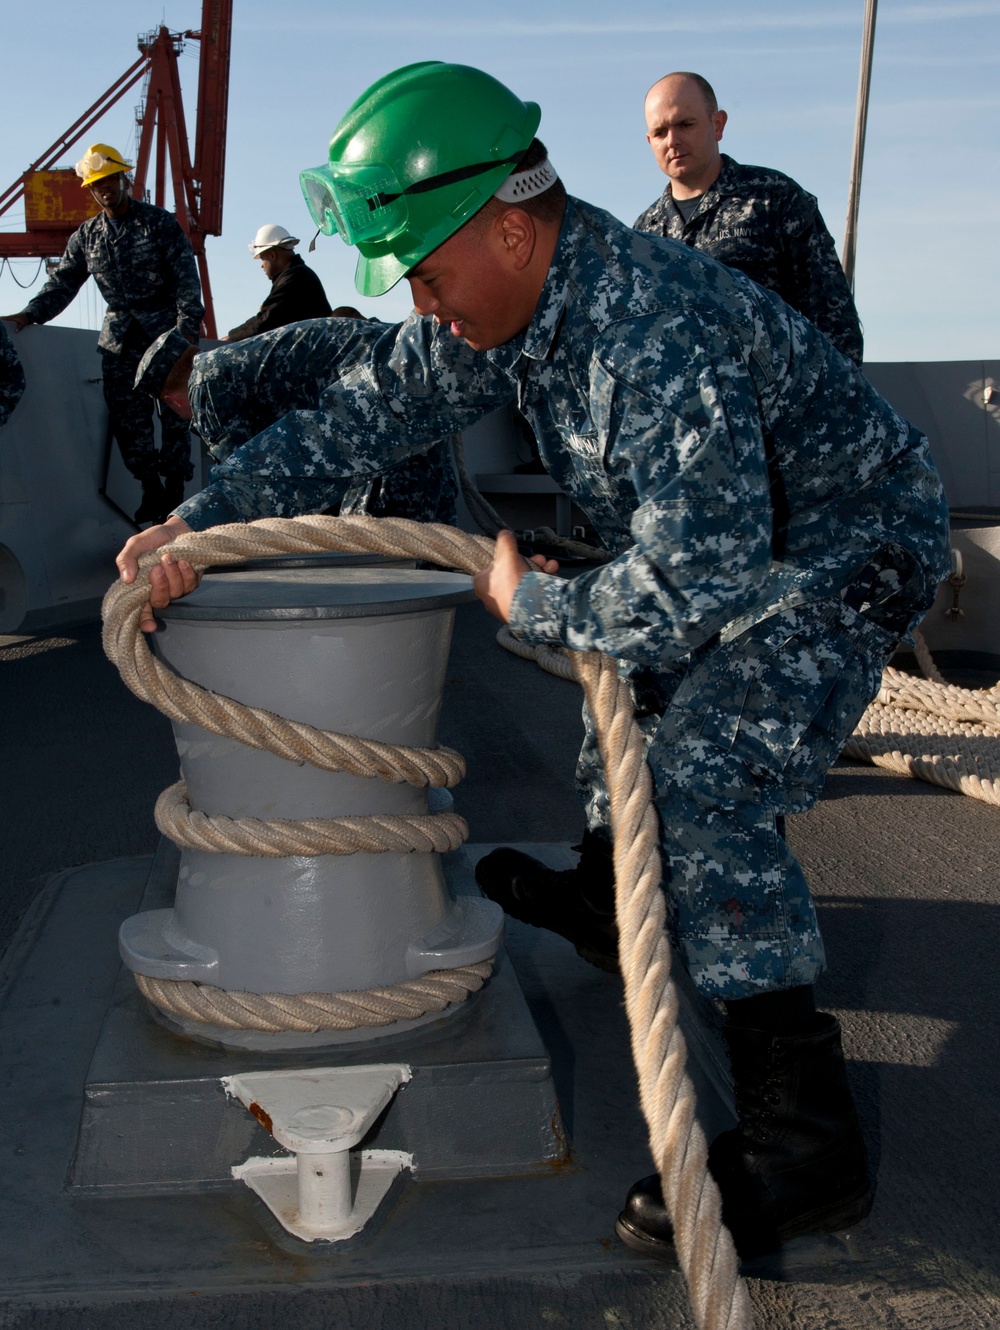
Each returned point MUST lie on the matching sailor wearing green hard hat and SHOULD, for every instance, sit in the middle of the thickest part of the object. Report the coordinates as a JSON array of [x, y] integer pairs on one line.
[[413, 159], [773, 529], [667, 394], [424, 152]]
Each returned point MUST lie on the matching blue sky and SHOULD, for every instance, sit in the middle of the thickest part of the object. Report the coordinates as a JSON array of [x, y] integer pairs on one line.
[[928, 274]]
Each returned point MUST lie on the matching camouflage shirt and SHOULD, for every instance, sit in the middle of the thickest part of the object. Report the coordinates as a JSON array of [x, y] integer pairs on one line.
[[11, 377], [239, 389], [766, 225], [730, 457], [144, 269], [316, 373], [273, 386]]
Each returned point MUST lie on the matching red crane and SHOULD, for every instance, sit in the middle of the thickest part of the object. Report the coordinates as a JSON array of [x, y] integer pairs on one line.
[[54, 203]]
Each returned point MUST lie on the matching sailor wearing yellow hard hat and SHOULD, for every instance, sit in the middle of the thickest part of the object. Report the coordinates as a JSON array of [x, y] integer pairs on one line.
[[145, 269]]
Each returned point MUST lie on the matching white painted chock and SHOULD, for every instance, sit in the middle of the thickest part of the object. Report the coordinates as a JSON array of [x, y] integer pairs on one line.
[[321, 1192]]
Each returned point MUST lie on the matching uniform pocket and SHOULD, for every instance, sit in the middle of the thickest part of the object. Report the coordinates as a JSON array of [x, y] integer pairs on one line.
[[784, 696]]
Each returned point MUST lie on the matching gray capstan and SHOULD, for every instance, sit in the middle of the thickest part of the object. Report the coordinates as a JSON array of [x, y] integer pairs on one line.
[[358, 651]]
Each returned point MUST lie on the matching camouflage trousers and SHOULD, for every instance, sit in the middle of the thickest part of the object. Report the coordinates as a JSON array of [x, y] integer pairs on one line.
[[131, 417], [742, 734]]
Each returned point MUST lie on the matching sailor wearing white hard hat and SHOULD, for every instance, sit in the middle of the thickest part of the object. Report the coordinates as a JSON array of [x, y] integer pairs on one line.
[[296, 292]]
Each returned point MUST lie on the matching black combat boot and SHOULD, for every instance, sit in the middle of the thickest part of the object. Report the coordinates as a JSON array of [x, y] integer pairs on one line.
[[577, 903], [796, 1163], [153, 507]]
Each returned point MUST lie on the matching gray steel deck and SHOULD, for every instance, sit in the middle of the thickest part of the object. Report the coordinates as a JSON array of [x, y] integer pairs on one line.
[[905, 879]]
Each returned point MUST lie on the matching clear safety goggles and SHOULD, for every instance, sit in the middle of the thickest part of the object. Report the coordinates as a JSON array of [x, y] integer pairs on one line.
[[356, 202], [368, 202], [97, 161]]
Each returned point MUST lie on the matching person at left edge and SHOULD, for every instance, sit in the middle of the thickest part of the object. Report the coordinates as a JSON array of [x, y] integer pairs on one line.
[[11, 377], [145, 269], [296, 292]]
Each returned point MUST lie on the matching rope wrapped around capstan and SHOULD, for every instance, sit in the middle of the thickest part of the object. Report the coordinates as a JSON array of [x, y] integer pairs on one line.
[[705, 1249]]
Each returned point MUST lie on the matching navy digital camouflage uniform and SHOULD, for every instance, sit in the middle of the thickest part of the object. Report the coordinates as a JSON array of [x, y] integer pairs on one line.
[[11, 377], [145, 269], [769, 227], [776, 526], [274, 384]]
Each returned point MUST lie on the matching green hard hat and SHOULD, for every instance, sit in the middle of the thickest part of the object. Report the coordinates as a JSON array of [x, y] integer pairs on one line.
[[413, 159]]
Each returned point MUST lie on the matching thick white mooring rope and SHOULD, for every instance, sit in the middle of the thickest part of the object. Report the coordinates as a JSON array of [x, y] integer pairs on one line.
[[379, 833], [277, 1013], [705, 1250]]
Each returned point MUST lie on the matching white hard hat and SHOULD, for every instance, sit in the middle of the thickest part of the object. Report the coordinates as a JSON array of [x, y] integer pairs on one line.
[[271, 237]]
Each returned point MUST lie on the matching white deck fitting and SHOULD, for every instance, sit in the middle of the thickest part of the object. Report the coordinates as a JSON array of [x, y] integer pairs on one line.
[[321, 1192]]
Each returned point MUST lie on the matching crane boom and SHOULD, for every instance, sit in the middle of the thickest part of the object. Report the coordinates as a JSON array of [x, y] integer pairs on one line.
[[55, 205]]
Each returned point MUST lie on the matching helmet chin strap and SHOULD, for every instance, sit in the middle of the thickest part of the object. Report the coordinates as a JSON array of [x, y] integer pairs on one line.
[[110, 207]]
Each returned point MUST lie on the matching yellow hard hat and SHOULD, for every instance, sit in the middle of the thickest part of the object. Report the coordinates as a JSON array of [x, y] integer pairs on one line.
[[101, 160]]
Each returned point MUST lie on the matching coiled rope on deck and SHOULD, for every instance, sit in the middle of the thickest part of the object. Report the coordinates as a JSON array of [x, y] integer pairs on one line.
[[933, 731], [707, 1257], [554, 660]]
